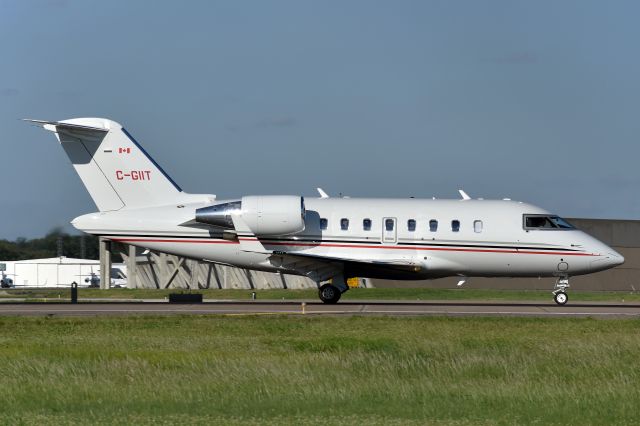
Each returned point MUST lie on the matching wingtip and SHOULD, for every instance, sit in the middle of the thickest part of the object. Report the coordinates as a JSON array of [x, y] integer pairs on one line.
[[464, 195], [322, 193]]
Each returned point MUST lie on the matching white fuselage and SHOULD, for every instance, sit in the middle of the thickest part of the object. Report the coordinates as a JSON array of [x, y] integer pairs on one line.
[[490, 241]]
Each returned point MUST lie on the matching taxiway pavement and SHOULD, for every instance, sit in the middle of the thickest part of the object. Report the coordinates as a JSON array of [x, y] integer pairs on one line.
[[371, 307]]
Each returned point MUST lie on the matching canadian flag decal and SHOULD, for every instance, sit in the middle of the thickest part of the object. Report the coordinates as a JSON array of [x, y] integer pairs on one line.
[[124, 150]]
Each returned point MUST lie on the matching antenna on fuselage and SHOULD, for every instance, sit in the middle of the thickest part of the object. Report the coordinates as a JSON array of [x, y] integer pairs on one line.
[[322, 193], [464, 195]]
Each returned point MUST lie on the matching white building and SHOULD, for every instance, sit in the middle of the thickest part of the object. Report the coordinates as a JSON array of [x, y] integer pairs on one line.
[[51, 272]]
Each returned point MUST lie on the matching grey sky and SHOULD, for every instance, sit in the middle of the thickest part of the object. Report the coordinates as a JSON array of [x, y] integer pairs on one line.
[[537, 101]]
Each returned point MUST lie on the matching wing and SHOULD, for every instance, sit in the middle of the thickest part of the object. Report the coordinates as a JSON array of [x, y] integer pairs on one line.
[[399, 264], [321, 268]]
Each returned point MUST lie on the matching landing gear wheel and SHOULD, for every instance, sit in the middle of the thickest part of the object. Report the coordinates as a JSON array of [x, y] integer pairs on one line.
[[329, 293], [561, 298]]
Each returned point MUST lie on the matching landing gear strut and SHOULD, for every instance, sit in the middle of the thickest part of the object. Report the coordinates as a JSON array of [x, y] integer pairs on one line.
[[559, 293]]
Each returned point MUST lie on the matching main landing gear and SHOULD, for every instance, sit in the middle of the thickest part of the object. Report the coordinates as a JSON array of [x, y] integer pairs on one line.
[[330, 293], [559, 292]]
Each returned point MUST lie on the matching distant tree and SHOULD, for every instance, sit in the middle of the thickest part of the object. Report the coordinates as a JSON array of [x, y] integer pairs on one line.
[[36, 248]]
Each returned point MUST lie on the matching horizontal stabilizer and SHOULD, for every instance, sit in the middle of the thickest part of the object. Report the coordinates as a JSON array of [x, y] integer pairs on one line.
[[61, 126]]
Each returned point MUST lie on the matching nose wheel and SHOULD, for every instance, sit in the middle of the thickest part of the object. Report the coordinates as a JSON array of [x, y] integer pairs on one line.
[[561, 298], [559, 293]]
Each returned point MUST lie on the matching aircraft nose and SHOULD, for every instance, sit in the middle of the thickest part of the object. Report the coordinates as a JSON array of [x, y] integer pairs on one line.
[[607, 260], [615, 258], [605, 257]]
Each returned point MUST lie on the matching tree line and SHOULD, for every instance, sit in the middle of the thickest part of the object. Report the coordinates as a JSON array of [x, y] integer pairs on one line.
[[55, 243]]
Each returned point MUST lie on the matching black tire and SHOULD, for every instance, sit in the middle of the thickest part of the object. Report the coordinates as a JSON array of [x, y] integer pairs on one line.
[[329, 293], [561, 298]]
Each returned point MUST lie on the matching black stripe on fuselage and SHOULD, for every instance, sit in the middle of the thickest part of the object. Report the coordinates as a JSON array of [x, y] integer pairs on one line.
[[321, 241], [420, 243], [202, 237], [490, 246]]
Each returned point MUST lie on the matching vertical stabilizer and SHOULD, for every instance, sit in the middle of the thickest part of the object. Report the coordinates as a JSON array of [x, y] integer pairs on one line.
[[115, 169]]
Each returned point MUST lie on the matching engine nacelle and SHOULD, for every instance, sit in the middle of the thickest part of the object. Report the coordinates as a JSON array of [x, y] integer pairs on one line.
[[264, 215], [273, 214]]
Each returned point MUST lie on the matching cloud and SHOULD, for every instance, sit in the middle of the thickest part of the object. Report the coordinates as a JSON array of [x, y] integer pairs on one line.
[[8, 91], [514, 58]]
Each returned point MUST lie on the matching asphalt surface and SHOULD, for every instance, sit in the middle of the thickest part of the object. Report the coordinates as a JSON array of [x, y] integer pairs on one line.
[[596, 310]]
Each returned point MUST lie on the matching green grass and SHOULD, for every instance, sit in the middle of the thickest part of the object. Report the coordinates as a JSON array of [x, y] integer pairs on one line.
[[318, 370], [354, 294]]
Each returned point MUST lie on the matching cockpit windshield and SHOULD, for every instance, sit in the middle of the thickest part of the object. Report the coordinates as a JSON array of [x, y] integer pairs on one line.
[[539, 221]]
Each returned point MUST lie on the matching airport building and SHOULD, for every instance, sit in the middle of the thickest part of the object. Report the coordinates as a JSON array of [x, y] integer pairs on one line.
[[55, 272]]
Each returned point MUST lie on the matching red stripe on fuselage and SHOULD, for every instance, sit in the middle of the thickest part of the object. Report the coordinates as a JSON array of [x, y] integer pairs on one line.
[[422, 248], [508, 251], [468, 250], [146, 240]]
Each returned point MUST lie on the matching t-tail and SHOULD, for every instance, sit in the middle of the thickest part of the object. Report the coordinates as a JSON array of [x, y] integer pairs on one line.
[[115, 169]]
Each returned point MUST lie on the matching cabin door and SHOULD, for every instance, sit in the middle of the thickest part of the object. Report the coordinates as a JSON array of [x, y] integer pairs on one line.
[[389, 230]]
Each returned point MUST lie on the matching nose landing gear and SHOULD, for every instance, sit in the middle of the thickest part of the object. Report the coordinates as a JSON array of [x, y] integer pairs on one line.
[[559, 293]]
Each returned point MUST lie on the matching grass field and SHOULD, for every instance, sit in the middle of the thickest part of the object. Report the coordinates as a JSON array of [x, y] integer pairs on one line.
[[318, 370], [354, 294]]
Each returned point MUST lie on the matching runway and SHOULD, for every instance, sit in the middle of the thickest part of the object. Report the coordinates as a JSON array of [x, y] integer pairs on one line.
[[236, 308]]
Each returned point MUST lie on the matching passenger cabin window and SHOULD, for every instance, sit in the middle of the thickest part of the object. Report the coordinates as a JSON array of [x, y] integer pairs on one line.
[[477, 226], [366, 224], [433, 225], [388, 224], [323, 224], [455, 225], [344, 224], [537, 221], [411, 225]]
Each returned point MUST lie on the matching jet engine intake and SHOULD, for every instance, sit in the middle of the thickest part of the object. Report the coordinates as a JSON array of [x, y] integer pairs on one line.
[[264, 215]]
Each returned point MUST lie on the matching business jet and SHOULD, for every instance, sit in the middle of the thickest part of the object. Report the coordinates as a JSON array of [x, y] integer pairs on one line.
[[327, 239]]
